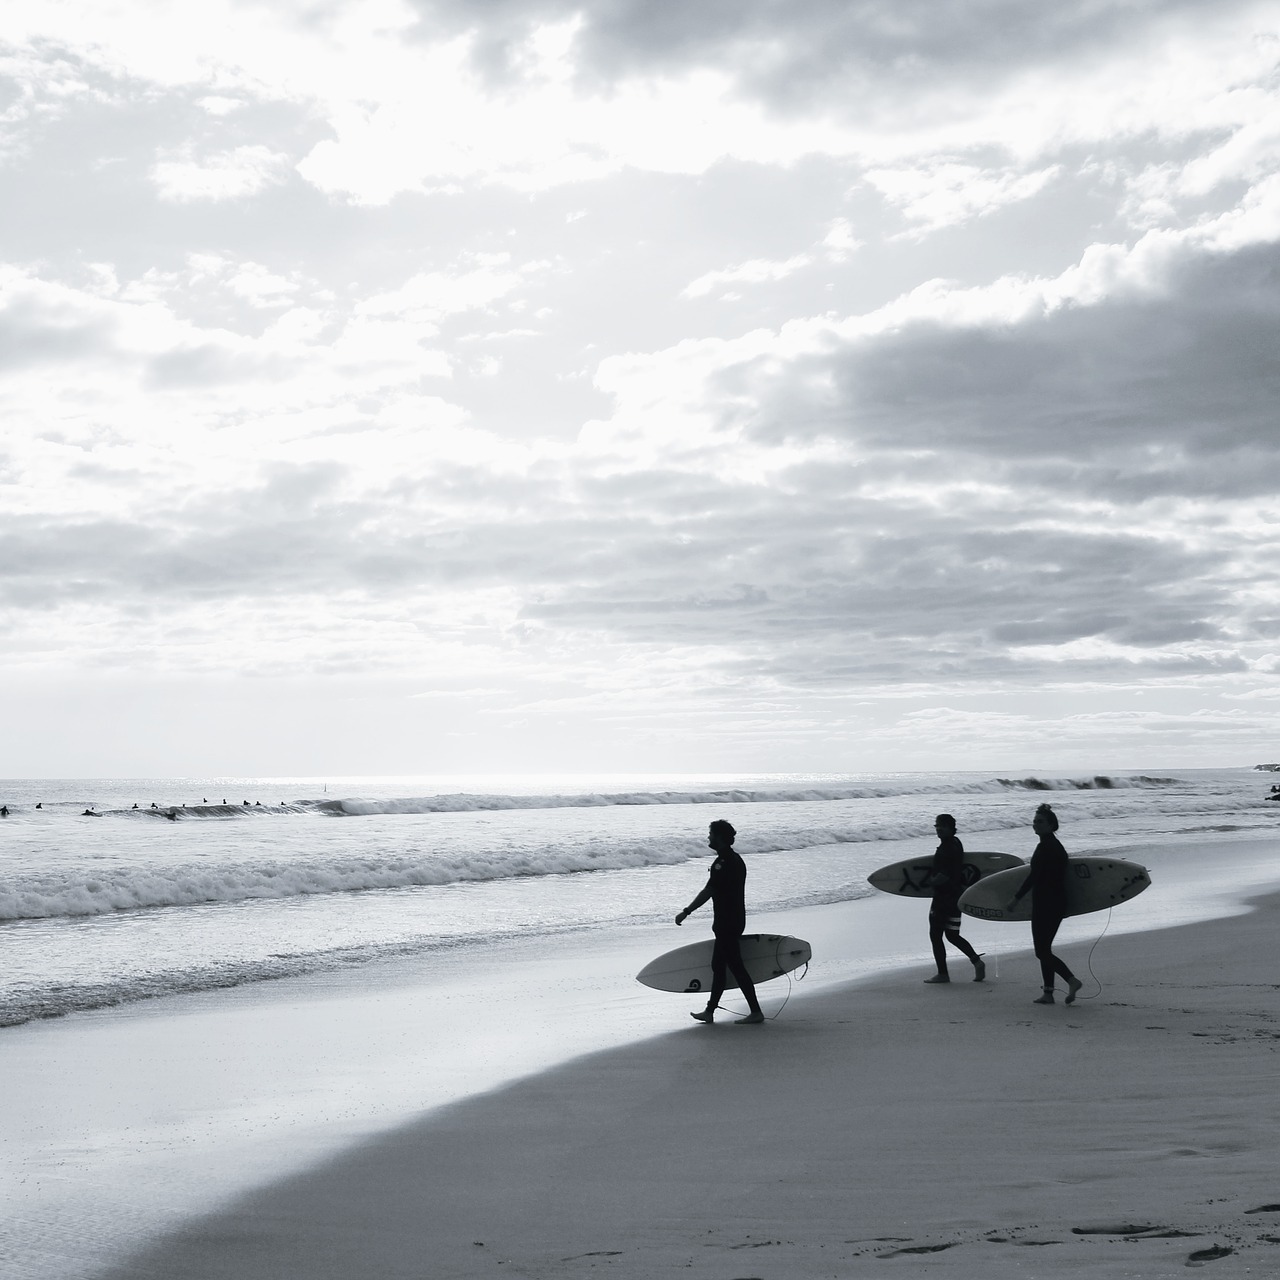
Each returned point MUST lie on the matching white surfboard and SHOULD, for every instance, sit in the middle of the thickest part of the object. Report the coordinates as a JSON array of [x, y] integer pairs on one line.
[[766, 955], [913, 878], [1093, 884]]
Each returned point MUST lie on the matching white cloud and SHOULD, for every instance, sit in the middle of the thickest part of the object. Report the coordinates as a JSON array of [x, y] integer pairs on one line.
[[435, 294], [261, 287], [757, 271], [840, 242], [226, 175], [947, 193]]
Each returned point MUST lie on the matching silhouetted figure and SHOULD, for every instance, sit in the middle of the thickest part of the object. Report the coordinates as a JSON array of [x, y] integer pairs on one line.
[[40, 805], [948, 883], [1047, 884], [89, 813], [135, 805], [4, 810], [726, 887]]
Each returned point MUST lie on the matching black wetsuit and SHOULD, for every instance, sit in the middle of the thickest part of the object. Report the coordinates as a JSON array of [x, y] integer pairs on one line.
[[944, 911], [1047, 885], [726, 887]]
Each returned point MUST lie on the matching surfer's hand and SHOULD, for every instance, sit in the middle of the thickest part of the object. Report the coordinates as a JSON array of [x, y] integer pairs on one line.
[[680, 918]]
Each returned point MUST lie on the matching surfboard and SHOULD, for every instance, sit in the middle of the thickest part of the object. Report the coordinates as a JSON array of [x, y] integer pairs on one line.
[[766, 955], [912, 878], [1093, 884]]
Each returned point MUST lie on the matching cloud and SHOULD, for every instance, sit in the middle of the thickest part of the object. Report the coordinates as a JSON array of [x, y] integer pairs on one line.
[[757, 271], [545, 95], [227, 175], [32, 334], [1135, 374], [429, 296], [368, 339], [946, 193]]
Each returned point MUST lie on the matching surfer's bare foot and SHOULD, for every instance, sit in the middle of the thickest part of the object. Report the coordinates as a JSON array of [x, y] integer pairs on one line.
[[757, 1016], [1047, 998], [939, 977], [704, 1015], [979, 970], [1073, 985]]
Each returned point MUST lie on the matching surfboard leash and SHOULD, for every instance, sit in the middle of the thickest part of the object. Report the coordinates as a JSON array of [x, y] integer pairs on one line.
[[769, 1017], [790, 985], [1089, 960], [772, 1017]]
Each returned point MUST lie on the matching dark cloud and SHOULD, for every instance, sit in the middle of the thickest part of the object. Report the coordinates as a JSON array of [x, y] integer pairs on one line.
[[34, 334], [1170, 392], [795, 53], [208, 365], [808, 585]]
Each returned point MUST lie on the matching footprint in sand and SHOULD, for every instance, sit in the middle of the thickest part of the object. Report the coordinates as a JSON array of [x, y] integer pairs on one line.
[[1212, 1254], [1127, 1229], [917, 1248]]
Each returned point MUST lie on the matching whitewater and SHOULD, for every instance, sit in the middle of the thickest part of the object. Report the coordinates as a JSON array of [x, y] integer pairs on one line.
[[113, 891]]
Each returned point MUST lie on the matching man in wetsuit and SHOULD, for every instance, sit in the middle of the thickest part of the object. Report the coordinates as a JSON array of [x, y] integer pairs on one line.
[[1047, 885], [944, 912], [726, 887]]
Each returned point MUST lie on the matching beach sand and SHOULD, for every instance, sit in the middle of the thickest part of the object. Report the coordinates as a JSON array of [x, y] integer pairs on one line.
[[882, 1128]]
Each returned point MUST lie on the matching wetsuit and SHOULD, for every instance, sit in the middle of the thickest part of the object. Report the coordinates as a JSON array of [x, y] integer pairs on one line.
[[1047, 885], [944, 911], [726, 887]]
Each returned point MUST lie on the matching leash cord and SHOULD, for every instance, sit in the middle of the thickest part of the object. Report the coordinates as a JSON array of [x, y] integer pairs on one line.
[[1089, 961], [800, 978]]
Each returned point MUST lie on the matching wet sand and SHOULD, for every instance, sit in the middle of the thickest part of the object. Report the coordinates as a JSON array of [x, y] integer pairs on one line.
[[878, 1128]]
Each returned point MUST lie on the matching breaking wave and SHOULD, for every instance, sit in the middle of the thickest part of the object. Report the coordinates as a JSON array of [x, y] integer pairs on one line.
[[467, 802]]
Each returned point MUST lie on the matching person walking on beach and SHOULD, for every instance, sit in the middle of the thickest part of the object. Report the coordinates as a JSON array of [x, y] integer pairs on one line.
[[944, 911], [1047, 884], [726, 887]]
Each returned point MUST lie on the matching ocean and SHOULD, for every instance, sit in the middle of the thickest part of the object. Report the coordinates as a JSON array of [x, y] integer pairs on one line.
[[117, 890]]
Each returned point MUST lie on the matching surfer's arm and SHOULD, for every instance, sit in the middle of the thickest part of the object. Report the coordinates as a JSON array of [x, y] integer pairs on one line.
[[695, 904], [1027, 885]]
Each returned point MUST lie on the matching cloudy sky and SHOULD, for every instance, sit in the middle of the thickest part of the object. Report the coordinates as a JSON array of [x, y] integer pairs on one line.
[[436, 386]]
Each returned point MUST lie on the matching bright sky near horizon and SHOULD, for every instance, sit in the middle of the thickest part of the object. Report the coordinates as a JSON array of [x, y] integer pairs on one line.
[[521, 385]]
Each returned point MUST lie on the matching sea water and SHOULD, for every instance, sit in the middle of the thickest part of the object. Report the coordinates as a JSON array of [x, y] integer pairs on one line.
[[440, 937], [116, 890]]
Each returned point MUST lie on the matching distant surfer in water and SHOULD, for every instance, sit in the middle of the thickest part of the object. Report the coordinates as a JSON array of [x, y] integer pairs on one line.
[[944, 911], [726, 887], [1047, 885]]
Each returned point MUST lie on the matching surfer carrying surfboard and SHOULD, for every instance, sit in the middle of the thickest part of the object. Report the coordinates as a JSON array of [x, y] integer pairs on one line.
[[1047, 885], [726, 888], [947, 879]]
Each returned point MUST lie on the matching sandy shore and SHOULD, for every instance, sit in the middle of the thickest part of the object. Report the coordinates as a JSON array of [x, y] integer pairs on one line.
[[882, 1128]]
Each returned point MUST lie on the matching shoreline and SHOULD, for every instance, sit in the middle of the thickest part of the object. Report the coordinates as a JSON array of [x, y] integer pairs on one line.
[[1128, 1134], [133, 1121]]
